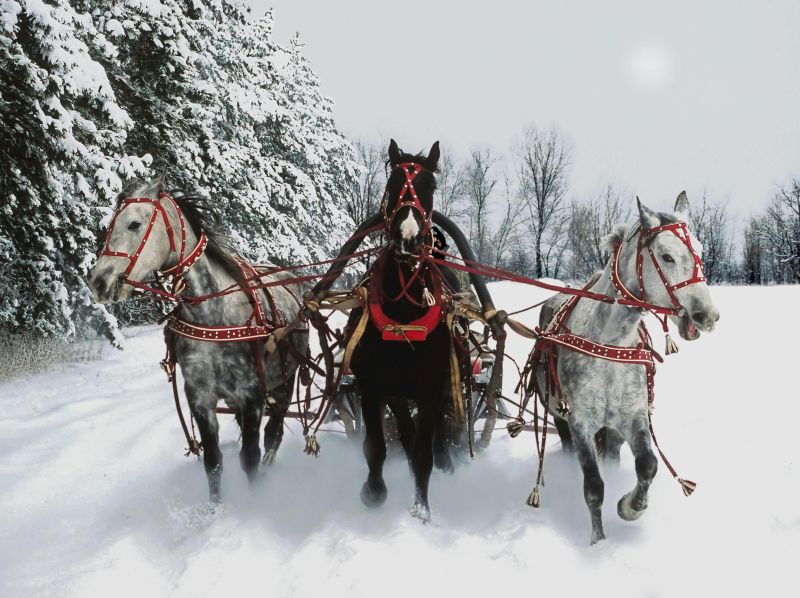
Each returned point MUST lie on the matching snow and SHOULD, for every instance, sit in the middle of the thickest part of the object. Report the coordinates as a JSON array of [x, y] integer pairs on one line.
[[99, 500], [114, 28], [9, 12]]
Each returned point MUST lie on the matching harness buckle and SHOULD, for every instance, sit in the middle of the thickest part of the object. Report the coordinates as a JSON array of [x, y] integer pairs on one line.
[[169, 369]]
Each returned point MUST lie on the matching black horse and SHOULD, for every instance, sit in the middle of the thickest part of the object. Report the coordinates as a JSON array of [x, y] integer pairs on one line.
[[393, 364]]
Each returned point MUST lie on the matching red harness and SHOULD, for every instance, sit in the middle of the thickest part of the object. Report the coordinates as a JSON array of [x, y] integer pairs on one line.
[[257, 325], [558, 334], [416, 330], [177, 271], [410, 170], [680, 230]]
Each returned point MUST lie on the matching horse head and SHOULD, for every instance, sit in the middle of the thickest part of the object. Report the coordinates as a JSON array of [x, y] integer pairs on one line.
[[407, 204], [142, 239], [664, 261]]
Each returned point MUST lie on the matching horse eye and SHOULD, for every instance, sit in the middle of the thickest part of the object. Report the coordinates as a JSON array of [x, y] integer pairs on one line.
[[134, 225], [667, 258]]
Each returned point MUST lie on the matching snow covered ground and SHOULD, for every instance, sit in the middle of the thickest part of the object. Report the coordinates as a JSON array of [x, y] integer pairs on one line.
[[97, 499]]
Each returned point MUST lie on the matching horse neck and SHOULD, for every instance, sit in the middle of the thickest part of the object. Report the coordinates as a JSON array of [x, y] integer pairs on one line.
[[206, 277], [606, 323]]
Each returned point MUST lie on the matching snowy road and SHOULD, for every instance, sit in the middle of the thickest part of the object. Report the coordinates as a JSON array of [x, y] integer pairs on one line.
[[96, 498]]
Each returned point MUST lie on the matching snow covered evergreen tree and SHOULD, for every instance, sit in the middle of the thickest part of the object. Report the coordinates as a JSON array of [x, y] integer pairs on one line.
[[61, 153], [191, 87], [225, 110]]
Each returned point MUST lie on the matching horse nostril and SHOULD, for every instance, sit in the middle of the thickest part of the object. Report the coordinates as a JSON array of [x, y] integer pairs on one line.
[[699, 317], [98, 285]]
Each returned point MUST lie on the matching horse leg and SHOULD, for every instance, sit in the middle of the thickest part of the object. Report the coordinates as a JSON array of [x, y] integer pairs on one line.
[[250, 423], [593, 487], [562, 427], [422, 459], [441, 450], [343, 409], [632, 505], [405, 424], [609, 442], [273, 431], [203, 409], [373, 492]]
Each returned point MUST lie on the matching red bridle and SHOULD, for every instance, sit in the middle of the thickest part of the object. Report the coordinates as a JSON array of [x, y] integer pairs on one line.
[[680, 230], [407, 197], [184, 261]]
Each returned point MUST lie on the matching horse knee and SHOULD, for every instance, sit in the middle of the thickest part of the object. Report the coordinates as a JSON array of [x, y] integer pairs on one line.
[[646, 466], [593, 489]]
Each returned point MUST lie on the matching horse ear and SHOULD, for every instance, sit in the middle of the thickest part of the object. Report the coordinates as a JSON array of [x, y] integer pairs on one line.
[[682, 205], [648, 217], [433, 157], [159, 182], [394, 152]]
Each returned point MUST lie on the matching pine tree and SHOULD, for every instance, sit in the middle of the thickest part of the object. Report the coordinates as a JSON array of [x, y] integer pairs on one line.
[[195, 89], [61, 139]]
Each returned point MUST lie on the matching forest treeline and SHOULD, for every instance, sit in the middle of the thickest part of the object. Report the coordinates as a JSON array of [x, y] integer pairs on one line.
[[519, 214]]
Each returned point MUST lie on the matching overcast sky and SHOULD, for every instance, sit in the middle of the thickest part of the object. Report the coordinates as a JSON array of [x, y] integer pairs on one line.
[[655, 96]]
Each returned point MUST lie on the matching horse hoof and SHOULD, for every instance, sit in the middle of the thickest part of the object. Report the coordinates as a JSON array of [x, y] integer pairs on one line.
[[626, 510], [269, 457], [444, 463], [215, 485], [421, 512], [373, 497], [597, 537]]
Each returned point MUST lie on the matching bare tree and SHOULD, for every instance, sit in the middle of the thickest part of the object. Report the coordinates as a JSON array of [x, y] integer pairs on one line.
[[589, 222], [780, 231], [508, 226], [451, 189], [753, 253], [365, 193], [542, 158], [711, 225], [479, 184]]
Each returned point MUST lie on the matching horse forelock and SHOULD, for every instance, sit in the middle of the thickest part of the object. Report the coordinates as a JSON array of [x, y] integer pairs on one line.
[[419, 158]]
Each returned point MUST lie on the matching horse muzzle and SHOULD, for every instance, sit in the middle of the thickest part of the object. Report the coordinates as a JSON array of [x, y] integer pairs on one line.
[[690, 325], [107, 287]]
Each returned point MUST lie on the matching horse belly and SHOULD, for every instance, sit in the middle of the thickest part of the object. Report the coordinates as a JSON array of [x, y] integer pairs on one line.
[[219, 371]]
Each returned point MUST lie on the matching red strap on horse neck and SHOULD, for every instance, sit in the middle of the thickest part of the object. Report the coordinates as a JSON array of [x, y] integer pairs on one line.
[[417, 330], [406, 197]]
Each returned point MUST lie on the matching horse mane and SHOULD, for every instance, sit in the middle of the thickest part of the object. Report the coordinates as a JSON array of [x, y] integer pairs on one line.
[[621, 232], [202, 216]]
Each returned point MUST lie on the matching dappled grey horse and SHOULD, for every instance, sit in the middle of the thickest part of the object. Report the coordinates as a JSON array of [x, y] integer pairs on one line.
[[607, 400], [219, 343]]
